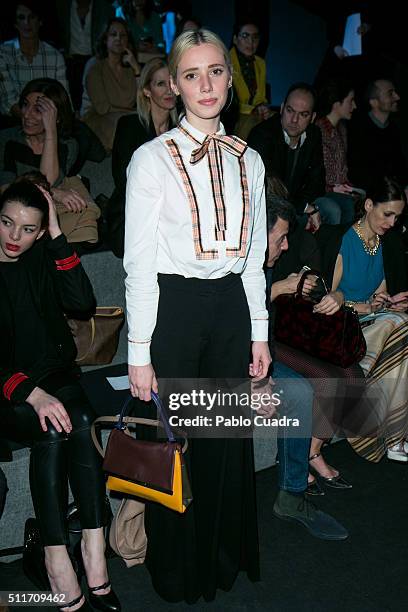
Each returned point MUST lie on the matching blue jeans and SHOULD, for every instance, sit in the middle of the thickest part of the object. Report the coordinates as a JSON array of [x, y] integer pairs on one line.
[[293, 452], [336, 208]]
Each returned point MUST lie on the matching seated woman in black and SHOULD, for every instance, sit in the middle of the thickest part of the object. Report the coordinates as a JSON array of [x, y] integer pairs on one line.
[[42, 404], [156, 104]]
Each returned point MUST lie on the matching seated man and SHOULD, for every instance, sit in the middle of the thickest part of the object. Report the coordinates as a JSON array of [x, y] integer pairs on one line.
[[291, 148], [293, 450], [26, 57], [374, 145]]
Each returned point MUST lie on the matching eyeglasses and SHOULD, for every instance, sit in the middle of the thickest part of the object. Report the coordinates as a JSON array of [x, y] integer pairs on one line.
[[246, 35]]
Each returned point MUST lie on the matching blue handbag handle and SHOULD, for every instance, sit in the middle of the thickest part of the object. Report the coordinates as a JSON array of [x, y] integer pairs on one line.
[[160, 408]]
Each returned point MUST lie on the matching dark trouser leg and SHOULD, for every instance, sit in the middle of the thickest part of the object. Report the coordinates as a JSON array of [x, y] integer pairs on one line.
[[48, 468], [83, 460], [54, 456], [75, 70]]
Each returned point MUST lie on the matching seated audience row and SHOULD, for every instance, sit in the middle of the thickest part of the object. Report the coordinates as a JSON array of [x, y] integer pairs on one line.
[[363, 261]]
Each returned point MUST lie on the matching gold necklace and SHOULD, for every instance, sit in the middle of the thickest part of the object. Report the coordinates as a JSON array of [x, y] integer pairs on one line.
[[370, 250]]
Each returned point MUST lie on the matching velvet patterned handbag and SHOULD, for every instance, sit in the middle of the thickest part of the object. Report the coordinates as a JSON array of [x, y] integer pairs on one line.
[[337, 338], [152, 471]]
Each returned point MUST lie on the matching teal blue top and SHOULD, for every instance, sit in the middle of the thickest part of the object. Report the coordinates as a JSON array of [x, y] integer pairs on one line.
[[362, 273]]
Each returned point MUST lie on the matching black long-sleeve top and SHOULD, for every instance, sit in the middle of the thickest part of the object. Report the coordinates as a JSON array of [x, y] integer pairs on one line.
[[375, 151], [129, 136], [57, 285]]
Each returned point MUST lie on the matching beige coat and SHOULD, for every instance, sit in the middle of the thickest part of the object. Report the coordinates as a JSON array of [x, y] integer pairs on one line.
[[111, 96]]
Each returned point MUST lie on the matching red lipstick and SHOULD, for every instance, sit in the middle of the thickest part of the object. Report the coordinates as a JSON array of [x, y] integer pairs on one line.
[[12, 247]]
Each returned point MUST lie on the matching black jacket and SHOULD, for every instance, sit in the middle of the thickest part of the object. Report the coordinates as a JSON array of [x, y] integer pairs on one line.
[[308, 180], [55, 292], [329, 239], [375, 152], [130, 135]]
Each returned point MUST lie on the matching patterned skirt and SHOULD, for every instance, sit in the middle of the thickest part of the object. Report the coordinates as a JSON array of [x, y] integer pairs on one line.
[[385, 366]]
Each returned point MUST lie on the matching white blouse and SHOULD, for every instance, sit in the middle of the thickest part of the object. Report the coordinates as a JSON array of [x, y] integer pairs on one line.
[[171, 228]]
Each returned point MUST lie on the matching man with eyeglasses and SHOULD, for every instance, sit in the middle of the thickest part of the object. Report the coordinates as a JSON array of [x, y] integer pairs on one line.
[[291, 148], [26, 57], [248, 78]]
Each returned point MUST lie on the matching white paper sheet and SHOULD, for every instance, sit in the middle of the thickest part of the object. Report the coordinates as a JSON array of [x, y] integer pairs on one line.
[[352, 39], [119, 383]]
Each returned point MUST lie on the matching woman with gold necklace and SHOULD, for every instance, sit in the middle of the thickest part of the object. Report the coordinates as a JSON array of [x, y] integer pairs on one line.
[[367, 263]]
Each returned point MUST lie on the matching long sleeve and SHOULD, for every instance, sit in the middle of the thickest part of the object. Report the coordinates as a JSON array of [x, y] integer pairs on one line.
[[72, 284], [143, 192], [8, 169], [253, 276], [96, 90], [314, 177], [267, 140], [15, 386]]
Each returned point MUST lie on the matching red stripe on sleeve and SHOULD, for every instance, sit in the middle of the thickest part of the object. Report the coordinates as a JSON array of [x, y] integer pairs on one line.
[[68, 263], [11, 384]]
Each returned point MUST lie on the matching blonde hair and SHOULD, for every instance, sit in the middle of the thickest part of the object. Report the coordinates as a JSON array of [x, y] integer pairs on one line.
[[142, 101], [192, 38]]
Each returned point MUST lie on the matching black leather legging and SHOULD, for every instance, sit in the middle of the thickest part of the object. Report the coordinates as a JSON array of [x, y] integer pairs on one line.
[[57, 458]]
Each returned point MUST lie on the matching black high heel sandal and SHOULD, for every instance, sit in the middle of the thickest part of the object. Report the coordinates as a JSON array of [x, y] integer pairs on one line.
[[108, 602], [335, 482], [84, 608]]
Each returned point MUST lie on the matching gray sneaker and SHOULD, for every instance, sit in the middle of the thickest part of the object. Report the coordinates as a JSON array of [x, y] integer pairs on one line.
[[291, 507]]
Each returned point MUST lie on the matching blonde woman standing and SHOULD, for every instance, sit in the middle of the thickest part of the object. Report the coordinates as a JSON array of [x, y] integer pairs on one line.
[[195, 242]]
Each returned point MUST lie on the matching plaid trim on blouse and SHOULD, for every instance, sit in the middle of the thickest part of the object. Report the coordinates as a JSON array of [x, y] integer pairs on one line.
[[212, 148]]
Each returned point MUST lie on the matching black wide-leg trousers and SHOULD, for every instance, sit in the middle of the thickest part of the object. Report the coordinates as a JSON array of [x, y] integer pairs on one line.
[[203, 330]]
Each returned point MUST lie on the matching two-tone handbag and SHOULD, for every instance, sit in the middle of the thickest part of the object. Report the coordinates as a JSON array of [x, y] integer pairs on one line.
[[152, 471]]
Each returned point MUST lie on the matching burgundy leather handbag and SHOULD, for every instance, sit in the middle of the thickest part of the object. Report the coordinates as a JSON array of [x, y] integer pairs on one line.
[[336, 338]]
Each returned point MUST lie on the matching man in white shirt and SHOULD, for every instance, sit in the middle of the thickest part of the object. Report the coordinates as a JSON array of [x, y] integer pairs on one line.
[[81, 23]]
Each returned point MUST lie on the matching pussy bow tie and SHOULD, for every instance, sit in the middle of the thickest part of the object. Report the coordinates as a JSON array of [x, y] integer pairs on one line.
[[211, 147]]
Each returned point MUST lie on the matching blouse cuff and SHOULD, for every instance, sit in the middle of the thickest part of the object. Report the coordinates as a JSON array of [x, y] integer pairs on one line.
[[139, 353], [259, 330]]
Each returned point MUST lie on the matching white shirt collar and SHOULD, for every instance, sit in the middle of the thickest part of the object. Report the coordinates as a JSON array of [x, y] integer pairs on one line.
[[200, 136], [287, 139]]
